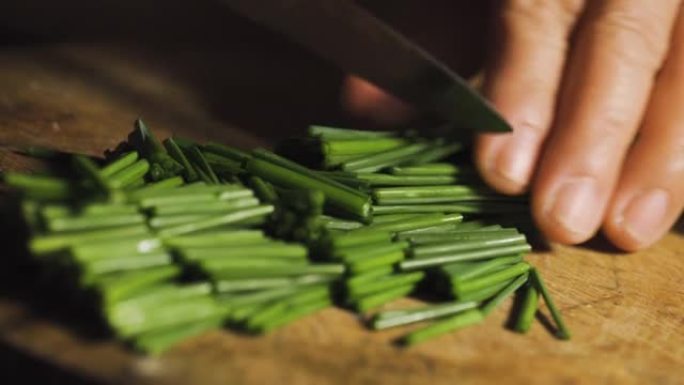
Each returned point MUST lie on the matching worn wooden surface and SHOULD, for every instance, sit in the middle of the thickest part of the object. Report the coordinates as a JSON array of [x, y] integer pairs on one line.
[[626, 311]]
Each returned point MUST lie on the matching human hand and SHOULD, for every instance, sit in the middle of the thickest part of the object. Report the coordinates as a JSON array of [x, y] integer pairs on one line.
[[595, 93]]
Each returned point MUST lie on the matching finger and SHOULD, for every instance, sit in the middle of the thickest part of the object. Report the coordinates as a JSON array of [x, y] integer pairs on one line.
[[619, 48], [367, 101], [522, 81], [650, 194]]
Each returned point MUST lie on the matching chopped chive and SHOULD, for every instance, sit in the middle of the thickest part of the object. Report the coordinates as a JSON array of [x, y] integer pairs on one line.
[[201, 164], [40, 187], [295, 313], [382, 283], [91, 172], [369, 302], [177, 154], [431, 169], [178, 199], [369, 276], [282, 270], [480, 282], [157, 295], [528, 309], [119, 164], [129, 174], [460, 198], [422, 263], [157, 341], [251, 284], [92, 209], [503, 294], [88, 222], [162, 221], [231, 153], [188, 189], [563, 332], [215, 221], [331, 147], [339, 224], [459, 321], [95, 267], [209, 207], [161, 165], [435, 153], [394, 180], [240, 300], [271, 250], [164, 184], [217, 239], [263, 190], [222, 165], [458, 246], [384, 159], [462, 207], [476, 269], [396, 318], [337, 195], [407, 192], [464, 236], [120, 248], [418, 222], [360, 265], [43, 244], [166, 315], [427, 230], [365, 251], [482, 294], [119, 286], [333, 133], [270, 313], [358, 238]]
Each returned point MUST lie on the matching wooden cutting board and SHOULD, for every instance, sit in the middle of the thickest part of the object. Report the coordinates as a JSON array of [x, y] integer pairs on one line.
[[626, 311]]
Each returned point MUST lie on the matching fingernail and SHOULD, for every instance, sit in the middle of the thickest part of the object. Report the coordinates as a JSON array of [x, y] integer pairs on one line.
[[516, 159], [643, 216], [575, 206]]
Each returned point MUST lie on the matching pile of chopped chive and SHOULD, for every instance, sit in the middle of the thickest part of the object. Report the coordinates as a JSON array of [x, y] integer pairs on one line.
[[173, 238]]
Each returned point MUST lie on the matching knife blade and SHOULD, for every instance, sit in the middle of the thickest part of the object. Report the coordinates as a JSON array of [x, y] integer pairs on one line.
[[359, 43]]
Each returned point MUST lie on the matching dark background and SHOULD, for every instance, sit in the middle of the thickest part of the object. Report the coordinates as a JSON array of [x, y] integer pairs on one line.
[[203, 44]]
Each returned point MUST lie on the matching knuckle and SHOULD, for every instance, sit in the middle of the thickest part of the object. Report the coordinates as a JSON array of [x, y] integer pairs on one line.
[[542, 12], [639, 37]]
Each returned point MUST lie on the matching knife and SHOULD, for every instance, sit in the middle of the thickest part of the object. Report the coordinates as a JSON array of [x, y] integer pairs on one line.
[[359, 43]]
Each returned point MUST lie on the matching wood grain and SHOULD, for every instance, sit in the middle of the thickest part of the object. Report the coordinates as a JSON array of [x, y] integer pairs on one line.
[[626, 311]]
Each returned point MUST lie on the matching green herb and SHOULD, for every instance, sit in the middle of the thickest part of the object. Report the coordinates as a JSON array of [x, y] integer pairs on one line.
[[177, 154], [38, 187], [384, 159], [161, 164], [528, 309], [563, 332], [503, 294], [471, 255], [451, 324], [338, 196], [458, 246], [216, 221], [129, 175], [431, 169], [355, 290], [332, 133], [91, 222], [332, 147], [119, 164], [371, 301], [396, 318], [481, 282]]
